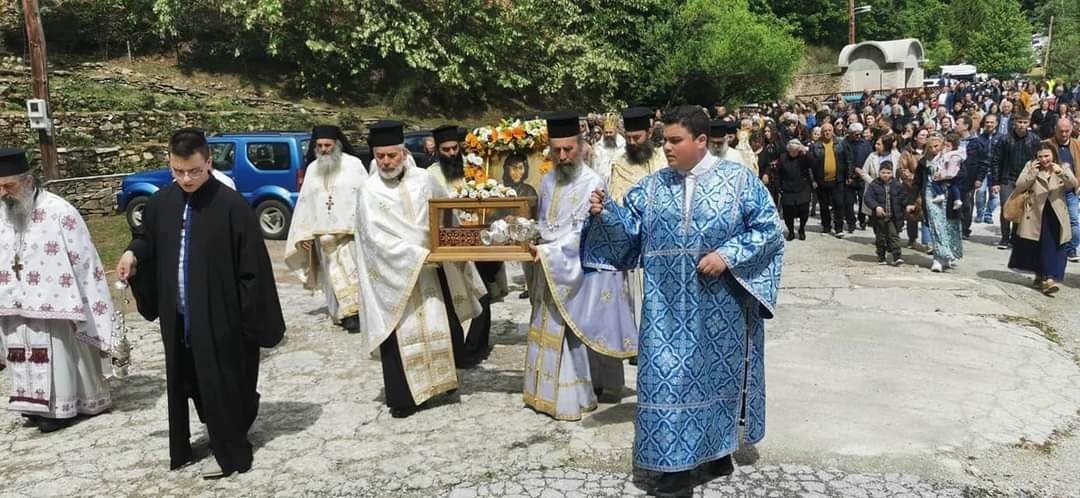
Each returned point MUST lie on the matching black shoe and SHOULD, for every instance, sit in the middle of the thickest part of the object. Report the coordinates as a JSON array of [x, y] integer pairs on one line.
[[720, 468], [402, 412], [790, 236], [523, 295], [598, 391], [31, 420], [351, 324], [802, 234], [674, 485], [862, 227], [633, 361], [47, 425], [1003, 245]]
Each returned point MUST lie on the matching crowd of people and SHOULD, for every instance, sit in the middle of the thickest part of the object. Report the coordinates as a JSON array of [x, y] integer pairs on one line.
[[957, 153]]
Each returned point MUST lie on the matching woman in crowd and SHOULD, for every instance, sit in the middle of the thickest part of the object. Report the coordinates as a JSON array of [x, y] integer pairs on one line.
[[944, 223], [795, 182], [909, 162], [1042, 230]]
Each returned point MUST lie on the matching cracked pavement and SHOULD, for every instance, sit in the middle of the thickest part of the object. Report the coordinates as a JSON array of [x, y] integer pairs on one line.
[[881, 381]]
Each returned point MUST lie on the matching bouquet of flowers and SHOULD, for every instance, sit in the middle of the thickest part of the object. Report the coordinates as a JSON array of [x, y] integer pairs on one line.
[[490, 189], [508, 136]]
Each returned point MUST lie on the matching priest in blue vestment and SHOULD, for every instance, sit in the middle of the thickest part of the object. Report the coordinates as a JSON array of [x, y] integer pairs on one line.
[[582, 323], [706, 233]]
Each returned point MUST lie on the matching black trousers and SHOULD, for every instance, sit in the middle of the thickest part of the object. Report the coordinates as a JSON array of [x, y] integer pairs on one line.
[[802, 211], [478, 342], [853, 200], [395, 385], [831, 203], [967, 212]]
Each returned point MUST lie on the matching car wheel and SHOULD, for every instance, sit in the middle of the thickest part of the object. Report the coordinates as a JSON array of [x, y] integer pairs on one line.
[[135, 209], [274, 218]]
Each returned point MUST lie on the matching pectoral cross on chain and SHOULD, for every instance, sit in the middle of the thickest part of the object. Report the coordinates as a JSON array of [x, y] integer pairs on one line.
[[18, 268], [330, 204]]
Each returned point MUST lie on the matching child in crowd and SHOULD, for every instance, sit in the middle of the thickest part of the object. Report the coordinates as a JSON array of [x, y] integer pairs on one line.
[[888, 201], [944, 169]]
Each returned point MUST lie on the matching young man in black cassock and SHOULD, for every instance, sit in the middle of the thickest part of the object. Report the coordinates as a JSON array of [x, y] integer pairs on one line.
[[201, 267]]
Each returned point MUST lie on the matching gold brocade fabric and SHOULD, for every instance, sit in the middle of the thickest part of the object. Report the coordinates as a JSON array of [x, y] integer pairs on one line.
[[624, 174]]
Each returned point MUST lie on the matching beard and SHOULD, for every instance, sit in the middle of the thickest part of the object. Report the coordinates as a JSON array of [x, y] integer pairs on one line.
[[567, 171], [453, 168], [392, 174], [610, 142], [640, 153], [719, 149], [17, 208], [330, 163]]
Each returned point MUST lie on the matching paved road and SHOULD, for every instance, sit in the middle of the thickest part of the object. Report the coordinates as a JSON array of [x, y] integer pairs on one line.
[[882, 382]]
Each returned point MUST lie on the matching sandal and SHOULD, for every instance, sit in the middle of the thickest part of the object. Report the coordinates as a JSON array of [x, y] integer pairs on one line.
[[1050, 287]]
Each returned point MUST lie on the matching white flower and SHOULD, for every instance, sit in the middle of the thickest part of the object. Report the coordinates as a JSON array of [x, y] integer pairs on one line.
[[474, 160], [454, 194], [492, 183], [483, 194], [475, 194], [511, 192]]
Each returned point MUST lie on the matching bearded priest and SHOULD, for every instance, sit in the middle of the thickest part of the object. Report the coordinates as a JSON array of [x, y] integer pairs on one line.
[[404, 298], [56, 314], [320, 246], [581, 323]]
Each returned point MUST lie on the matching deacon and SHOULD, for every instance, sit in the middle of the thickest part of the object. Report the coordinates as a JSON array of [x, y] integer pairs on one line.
[[56, 314], [610, 145], [471, 349], [404, 300], [637, 160], [201, 268], [582, 323], [320, 246], [723, 141], [708, 238]]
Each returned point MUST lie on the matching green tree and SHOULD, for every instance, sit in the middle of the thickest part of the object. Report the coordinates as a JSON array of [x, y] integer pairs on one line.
[[992, 34], [724, 52], [1064, 59]]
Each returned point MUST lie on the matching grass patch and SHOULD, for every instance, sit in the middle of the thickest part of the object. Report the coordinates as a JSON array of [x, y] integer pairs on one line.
[[817, 59], [111, 236], [1044, 329]]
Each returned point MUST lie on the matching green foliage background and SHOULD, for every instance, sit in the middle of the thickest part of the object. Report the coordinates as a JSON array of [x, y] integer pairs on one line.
[[419, 55]]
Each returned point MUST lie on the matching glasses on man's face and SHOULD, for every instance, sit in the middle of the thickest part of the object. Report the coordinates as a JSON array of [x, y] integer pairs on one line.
[[188, 173]]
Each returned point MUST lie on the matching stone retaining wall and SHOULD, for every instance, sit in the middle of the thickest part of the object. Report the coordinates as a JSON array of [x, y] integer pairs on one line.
[[92, 195]]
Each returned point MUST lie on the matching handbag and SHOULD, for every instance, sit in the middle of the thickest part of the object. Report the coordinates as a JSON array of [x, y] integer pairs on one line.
[[1014, 207]]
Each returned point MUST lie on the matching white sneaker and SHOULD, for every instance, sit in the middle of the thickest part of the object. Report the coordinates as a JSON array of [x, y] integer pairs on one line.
[[938, 199], [936, 267]]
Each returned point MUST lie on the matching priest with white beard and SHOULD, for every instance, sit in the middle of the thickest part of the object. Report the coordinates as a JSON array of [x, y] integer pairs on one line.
[[56, 313], [722, 134], [321, 247], [610, 145], [403, 310], [582, 323]]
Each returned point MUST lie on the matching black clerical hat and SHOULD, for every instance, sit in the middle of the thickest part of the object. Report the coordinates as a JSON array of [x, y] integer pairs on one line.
[[385, 133], [13, 162], [462, 132], [445, 133], [722, 128], [326, 131], [563, 125], [637, 119]]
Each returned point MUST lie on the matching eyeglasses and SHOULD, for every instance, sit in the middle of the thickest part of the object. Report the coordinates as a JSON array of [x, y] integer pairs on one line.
[[190, 173]]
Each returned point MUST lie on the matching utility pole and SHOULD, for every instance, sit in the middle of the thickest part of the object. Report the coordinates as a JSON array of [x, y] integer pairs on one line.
[[1046, 54], [851, 22], [39, 71]]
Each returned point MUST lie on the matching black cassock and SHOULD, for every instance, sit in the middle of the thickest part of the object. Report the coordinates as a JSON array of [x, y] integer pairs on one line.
[[232, 308]]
